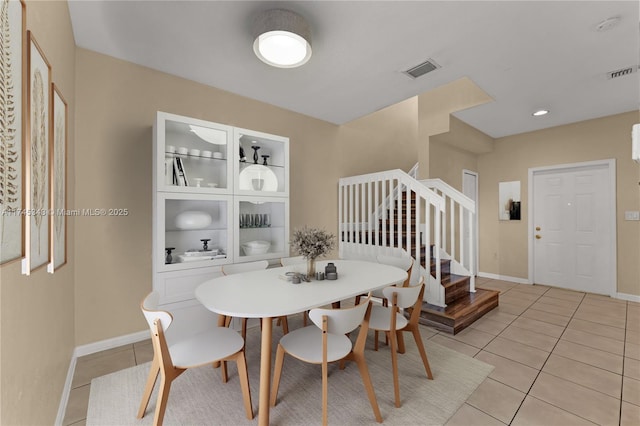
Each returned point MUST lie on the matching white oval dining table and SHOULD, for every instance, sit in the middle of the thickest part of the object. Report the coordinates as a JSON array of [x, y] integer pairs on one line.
[[265, 294]]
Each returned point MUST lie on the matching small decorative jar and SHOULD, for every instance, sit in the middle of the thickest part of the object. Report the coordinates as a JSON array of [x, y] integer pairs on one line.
[[330, 271]]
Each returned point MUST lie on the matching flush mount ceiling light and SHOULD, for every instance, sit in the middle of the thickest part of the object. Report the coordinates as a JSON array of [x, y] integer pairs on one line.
[[540, 112], [282, 38]]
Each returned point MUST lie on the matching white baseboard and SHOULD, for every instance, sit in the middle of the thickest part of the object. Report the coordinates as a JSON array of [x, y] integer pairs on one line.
[[64, 399], [88, 349], [103, 345], [629, 297], [504, 278], [621, 296]]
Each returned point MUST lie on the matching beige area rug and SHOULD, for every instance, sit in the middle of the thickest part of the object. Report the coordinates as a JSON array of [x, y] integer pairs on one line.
[[198, 396]]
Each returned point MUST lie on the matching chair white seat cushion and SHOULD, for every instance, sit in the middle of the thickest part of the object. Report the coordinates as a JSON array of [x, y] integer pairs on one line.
[[205, 348], [378, 293], [381, 319], [306, 344]]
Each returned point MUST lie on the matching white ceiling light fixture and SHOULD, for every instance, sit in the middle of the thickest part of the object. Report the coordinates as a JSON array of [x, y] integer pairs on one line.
[[608, 24], [282, 38], [540, 112]]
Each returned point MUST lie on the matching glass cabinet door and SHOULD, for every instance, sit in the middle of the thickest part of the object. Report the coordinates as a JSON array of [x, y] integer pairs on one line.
[[193, 155], [261, 165], [196, 231], [261, 227]]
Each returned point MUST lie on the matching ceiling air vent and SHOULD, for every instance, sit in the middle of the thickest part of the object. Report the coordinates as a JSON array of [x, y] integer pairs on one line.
[[423, 68], [622, 72]]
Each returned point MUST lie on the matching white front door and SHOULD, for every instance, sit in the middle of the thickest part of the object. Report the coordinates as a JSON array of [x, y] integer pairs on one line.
[[574, 228], [470, 189]]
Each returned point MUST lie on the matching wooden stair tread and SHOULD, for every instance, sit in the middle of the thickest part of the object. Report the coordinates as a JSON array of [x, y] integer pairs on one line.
[[452, 280], [461, 313]]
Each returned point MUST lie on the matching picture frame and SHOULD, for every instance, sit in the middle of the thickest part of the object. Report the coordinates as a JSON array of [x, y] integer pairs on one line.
[[37, 199], [12, 114], [509, 200], [58, 175]]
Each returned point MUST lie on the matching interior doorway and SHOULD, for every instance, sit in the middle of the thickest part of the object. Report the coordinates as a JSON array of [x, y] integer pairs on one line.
[[470, 189], [572, 226]]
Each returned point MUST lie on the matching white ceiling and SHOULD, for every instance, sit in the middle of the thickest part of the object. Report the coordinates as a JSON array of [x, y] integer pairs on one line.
[[525, 54]]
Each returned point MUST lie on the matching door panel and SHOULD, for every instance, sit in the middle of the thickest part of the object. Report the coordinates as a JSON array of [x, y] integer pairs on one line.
[[572, 234]]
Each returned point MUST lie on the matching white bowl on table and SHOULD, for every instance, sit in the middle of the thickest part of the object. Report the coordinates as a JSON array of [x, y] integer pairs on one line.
[[252, 248]]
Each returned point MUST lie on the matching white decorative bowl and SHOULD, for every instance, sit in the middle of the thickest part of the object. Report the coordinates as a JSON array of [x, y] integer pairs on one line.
[[257, 177], [214, 136], [193, 220], [252, 248]]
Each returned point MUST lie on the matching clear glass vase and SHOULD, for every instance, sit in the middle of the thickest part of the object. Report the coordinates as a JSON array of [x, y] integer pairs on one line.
[[311, 267]]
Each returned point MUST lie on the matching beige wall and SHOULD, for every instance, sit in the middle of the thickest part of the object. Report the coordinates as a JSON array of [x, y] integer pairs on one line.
[[37, 312], [117, 104], [447, 163], [371, 143], [503, 245], [434, 117]]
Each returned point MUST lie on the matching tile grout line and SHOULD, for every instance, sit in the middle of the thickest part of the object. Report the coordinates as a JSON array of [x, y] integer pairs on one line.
[[624, 353], [540, 371], [565, 327], [483, 348], [537, 375]]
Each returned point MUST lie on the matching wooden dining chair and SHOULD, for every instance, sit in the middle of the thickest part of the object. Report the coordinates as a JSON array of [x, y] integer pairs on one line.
[[236, 268], [326, 342], [170, 360], [393, 323], [404, 262]]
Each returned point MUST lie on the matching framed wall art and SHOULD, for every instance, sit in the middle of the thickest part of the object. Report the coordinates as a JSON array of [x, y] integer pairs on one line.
[[58, 163], [12, 97], [37, 159], [509, 200]]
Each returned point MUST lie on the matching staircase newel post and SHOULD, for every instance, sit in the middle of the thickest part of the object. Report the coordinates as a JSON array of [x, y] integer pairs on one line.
[[440, 290]]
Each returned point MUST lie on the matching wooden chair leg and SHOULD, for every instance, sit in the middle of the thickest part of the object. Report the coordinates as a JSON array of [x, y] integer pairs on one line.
[[244, 329], [385, 303], [277, 372], [241, 362], [400, 340], [223, 371], [394, 365], [423, 354], [366, 379], [148, 389], [163, 397], [375, 340], [304, 318], [223, 321], [285, 325]]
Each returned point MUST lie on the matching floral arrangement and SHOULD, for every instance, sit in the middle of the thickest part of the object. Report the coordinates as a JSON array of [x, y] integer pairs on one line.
[[312, 242]]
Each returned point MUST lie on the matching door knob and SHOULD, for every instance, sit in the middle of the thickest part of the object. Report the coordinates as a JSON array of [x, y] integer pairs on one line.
[[538, 236], [537, 228]]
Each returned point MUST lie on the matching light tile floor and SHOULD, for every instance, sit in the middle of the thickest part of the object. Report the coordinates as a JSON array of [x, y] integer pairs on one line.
[[560, 358]]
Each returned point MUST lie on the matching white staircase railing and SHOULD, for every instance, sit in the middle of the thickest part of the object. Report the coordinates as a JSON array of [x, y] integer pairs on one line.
[[373, 211], [457, 221]]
